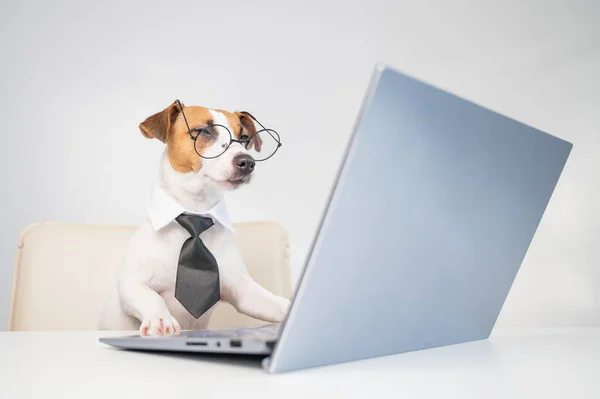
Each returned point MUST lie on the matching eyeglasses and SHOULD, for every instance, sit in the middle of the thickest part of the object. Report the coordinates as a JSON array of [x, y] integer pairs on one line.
[[213, 140]]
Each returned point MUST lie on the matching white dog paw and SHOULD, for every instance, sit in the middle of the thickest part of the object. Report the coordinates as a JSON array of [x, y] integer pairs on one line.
[[159, 327], [284, 307]]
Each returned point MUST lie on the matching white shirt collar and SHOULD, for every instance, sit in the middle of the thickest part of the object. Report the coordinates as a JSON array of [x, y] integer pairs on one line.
[[163, 209]]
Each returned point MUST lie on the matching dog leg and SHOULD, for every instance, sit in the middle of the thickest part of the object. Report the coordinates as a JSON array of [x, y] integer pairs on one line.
[[143, 303], [251, 299]]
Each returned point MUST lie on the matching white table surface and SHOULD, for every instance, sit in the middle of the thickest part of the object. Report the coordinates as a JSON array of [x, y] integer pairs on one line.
[[549, 363]]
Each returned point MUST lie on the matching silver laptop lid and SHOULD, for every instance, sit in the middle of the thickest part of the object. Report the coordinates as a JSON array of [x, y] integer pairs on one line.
[[434, 208]]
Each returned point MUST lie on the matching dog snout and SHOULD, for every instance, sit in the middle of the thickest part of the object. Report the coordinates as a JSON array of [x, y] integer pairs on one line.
[[244, 163]]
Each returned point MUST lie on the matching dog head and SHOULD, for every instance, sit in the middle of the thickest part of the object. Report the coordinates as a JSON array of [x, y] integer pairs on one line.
[[195, 153]]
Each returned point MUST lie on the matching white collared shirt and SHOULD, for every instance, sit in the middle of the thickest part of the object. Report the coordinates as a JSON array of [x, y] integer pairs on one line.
[[163, 209]]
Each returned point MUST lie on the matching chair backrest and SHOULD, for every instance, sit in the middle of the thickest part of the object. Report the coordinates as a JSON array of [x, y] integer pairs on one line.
[[63, 272]]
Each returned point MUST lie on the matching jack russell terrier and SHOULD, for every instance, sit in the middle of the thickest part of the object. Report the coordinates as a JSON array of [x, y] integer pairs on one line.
[[208, 152]]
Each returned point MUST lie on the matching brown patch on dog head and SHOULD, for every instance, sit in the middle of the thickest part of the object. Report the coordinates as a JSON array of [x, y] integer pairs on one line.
[[181, 152], [233, 121], [169, 127], [249, 129], [242, 124]]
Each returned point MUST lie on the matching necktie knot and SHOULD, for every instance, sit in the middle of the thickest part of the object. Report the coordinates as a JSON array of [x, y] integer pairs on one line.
[[194, 224]]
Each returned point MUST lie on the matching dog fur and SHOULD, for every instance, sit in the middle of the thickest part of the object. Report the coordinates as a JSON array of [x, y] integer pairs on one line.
[[144, 296]]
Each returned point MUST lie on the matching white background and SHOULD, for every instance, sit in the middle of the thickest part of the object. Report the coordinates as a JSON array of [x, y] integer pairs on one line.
[[78, 77]]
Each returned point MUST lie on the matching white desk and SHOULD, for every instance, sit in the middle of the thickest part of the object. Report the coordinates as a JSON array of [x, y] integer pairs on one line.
[[562, 363]]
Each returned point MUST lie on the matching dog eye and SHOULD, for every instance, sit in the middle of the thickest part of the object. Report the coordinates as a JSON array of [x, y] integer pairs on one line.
[[244, 137], [205, 131]]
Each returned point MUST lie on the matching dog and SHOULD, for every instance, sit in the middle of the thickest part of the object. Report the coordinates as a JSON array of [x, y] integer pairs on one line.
[[144, 295]]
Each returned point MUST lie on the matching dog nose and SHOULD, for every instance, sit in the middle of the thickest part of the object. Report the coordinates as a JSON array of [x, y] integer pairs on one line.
[[244, 163]]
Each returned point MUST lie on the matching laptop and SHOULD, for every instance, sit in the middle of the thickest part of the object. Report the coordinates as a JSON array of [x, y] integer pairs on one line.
[[432, 211]]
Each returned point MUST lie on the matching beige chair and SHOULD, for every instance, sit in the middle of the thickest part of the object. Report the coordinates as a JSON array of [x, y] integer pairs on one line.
[[63, 271]]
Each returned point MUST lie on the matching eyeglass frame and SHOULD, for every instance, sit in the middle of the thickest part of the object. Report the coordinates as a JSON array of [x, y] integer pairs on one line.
[[244, 142]]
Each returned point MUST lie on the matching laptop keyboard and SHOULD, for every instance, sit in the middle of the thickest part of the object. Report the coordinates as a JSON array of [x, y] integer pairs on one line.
[[263, 332]]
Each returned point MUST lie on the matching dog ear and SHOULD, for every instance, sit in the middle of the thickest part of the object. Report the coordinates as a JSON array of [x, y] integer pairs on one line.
[[248, 124], [158, 126]]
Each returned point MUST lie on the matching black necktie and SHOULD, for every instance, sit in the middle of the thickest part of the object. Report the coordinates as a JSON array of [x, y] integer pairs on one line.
[[197, 284]]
